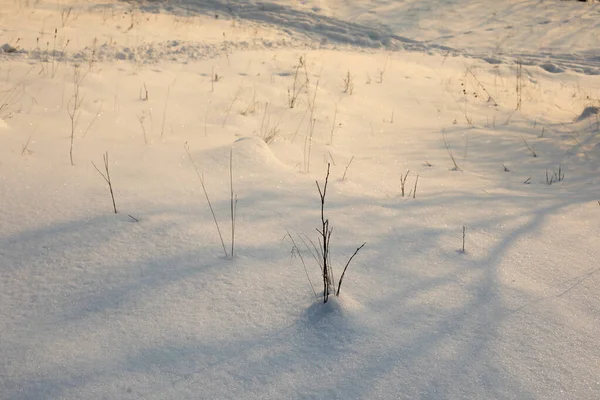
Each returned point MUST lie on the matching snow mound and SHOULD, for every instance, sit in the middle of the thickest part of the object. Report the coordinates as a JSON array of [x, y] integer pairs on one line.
[[552, 68], [340, 316], [250, 151]]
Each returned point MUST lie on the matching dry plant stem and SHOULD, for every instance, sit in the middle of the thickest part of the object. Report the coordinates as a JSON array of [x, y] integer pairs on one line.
[[333, 125], [187, 149], [414, 193], [233, 201], [162, 129], [348, 84], [346, 267], [313, 251], [325, 237], [403, 182], [519, 84], [26, 145], [330, 157], [311, 104], [456, 168], [9, 98], [312, 124], [490, 98], [382, 71], [308, 145], [93, 120], [262, 123], [54, 53], [145, 96], [346, 170], [212, 79], [299, 125], [296, 250], [74, 107], [107, 179], [464, 234], [533, 153], [142, 118], [237, 95], [296, 88]]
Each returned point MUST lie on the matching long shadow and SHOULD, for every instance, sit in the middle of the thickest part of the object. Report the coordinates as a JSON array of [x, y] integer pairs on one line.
[[393, 340]]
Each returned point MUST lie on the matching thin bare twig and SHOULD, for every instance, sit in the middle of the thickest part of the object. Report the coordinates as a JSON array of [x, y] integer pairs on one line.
[[107, 178], [346, 267], [296, 250], [346, 170], [187, 149]]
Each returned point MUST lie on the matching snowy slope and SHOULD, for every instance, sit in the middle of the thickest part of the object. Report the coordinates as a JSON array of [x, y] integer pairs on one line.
[[144, 304]]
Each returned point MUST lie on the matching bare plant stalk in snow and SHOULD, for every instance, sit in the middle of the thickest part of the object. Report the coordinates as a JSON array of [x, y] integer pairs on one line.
[[162, 129], [403, 182], [414, 192], [324, 247], [296, 251], [346, 170], [348, 83], [201, 178], [309, 138], [519, 84], [106, 177], [233, 201], [531, 150], [237, 95], [74, 106], [333, 125], [297, 87], [325, 237], [456, 167]]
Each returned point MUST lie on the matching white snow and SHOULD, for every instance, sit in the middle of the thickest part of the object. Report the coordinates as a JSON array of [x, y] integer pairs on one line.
[[144, 304]]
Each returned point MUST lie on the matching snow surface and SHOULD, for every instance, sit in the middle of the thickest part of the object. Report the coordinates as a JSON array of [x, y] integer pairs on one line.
[[143, 303]]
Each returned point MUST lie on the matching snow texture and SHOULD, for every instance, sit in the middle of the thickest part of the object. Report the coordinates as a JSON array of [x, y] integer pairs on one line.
[[488, 110]]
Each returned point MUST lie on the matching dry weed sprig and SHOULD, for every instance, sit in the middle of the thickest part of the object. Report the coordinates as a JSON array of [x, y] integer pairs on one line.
[[490, 98], [403, 182], [106, 177], [233, 202], [93, 120], [325, 248], [456, 167], [531, 150], [346, 169], [333, 124], [519, 84], [74, 106], [297, 87], [296, 251], [162, 128], [348, 83], [212, 211]]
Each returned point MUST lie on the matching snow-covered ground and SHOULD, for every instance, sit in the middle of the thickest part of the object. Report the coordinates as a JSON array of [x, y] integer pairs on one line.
[[492, 105]]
